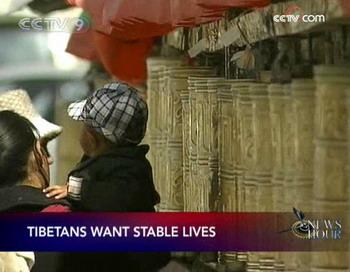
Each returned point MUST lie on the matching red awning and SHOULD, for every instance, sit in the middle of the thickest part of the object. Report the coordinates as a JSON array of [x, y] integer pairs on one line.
[[134, 19], [95, 9], [81, 45], [224, 4], [126, 60], [187, 13], [123, 30]]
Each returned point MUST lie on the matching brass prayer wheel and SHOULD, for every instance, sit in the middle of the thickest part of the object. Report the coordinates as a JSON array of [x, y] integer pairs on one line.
[[289, 148], [331, 181], [303, 100], [206, 111], [245, 121], [176, 80], [262, 156], [277, 113]]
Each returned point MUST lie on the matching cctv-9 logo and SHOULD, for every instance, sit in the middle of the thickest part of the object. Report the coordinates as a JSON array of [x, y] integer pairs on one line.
[[81, 24], [54, 24]]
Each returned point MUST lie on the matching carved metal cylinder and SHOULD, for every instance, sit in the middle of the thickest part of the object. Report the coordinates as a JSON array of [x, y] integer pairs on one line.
[[185, 100], [262, 156], [262, 160], [206, 111], [227, 182], [173, 163], [236, 88], [157, 126], [175, 80], [245, 120], [242, 146], [331, 182], [277, 117], [228, 186], [289, 148], [303, 100], [192, 136]]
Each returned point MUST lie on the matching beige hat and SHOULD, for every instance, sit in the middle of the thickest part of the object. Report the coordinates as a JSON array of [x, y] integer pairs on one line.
[[20, 102]]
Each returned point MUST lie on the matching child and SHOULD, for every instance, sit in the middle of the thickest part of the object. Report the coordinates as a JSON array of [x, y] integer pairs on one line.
[[115, 175]]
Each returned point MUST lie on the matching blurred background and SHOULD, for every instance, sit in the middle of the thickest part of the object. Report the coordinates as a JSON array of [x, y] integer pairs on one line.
[[36, 61]]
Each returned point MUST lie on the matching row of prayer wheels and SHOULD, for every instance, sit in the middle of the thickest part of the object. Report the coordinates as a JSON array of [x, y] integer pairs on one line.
[[240, 145]]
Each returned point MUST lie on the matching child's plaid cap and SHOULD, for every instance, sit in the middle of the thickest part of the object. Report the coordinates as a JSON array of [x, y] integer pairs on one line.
[[116, 111]]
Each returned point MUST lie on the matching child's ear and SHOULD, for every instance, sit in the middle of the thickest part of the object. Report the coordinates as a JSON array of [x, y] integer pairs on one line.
[[88, 141], [92, 139]]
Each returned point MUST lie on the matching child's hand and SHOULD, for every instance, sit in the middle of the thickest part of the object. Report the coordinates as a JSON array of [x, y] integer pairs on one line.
[[56, 191]]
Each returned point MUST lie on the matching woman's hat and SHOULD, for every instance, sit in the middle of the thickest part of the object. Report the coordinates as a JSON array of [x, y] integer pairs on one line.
[[20, 102]]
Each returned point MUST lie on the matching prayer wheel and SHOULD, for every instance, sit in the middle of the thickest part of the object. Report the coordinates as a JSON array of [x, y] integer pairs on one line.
[[331, 181], [241, 113], [277, 113], [176, 80], [156, 126], [303, 99], [193, 171], [228, 137], [289, 148], [262, 156], [206, 115], [228, 184], [245, 121], [185, 101], [262, 160]]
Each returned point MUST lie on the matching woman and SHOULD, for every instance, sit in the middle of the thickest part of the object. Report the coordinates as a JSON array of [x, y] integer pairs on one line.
[[24, 173]]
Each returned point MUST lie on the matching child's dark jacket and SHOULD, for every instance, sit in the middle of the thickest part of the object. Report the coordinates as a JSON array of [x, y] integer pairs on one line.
[[120, 181]]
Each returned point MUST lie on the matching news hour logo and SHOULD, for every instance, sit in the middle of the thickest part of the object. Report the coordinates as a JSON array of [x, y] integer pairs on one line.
[[54, 24], [315, 229]]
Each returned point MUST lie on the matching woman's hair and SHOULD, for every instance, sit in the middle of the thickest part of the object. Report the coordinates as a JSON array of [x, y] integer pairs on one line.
[[18, 137]]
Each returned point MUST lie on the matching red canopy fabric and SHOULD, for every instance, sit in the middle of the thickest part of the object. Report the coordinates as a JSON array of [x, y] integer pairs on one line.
[[81, 45], [140, 19], [140, 11], [126, 60], [131, 19], [95, 8], [187, 13], [224, 4], [134, 19], [123, 30]]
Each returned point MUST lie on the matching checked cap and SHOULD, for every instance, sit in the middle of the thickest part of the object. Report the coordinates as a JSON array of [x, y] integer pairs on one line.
[[115, 111]]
